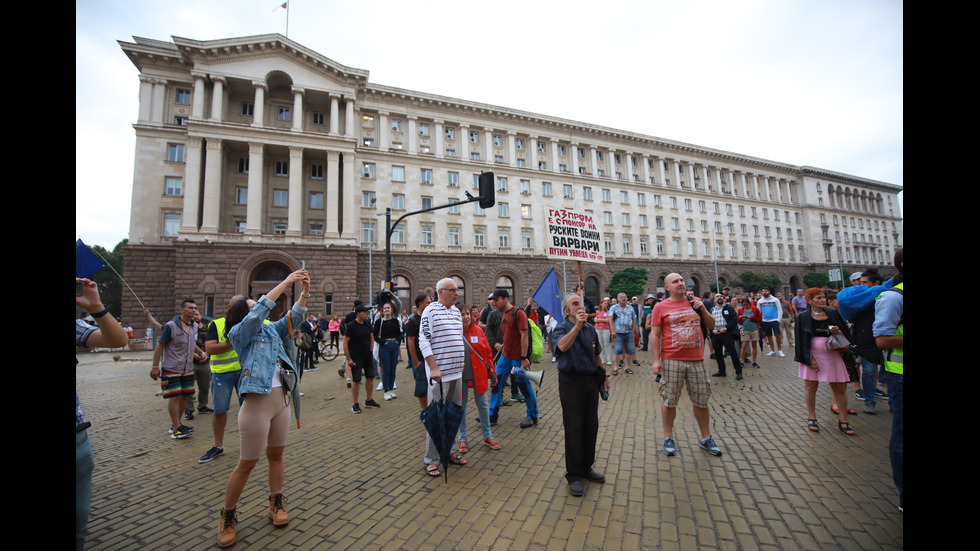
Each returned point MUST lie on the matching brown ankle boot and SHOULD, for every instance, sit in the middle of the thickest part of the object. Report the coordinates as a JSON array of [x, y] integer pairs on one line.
[[226, 527], [277, 510]]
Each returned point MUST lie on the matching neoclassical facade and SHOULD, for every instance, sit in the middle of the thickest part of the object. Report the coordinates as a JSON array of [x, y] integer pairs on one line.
[[255, 154]]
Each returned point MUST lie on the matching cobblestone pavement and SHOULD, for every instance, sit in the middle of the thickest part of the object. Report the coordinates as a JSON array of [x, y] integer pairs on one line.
[[357, 481]]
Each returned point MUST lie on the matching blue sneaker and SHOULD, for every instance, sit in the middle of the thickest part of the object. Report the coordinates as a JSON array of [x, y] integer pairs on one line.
[[708, 445], [670, 447]]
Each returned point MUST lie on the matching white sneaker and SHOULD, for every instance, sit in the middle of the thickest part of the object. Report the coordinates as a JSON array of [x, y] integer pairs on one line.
[[380, 387], [388, 395], [394, 386], [780, 354], [393, 394], [771, 353]]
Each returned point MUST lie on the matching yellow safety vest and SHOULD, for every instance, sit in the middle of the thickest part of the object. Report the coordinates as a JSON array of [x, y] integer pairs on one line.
[[225, 362], [895, 357]]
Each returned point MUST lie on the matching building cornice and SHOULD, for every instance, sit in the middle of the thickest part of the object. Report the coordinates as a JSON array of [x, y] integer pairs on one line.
[[841, 177]]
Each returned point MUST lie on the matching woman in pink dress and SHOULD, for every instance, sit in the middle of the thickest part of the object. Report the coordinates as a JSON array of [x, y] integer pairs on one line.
[[602, 328], [813, 327]]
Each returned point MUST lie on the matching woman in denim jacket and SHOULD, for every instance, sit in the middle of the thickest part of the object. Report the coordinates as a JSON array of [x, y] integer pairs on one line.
[[263, 420]]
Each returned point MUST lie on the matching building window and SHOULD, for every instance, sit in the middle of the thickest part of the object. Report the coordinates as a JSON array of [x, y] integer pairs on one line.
[[567, 191], [396, 125], [504, 238], [318, 118], [687, 205], [424, 149], [675, 223], [426, 202], [479, 237], [248, 108], [498, 141], [397, 174], [673, 203], [243, 165], [316, 200], [643, 220], [183, 96], [501, 183], [644, 246], [702, 207], [450, 133], [660, 245], [521, 163], [656, 201], [542, 147], [241, 196], [581, 170], [474, 136], [546, 189], [475, 156], [283, 114], [367, 121], [398, 235], [426, 175], [367, 232], [171, 225], [367, 199], [606, 196], [626, 219], [627, 248], [454, 237], [397, 202], [175, 152], [426, 235], [316, 171], [607, 218], [561, 149], [542, 165], [174, 186], [282, 168], [368, 142], [525, 187], [598, 156], [454, 209], [587, 193], [316, 228], [280, 198], [279, 228], [503, 210], [453, 178], [581, 153], [659, 221], [519, 143], [690, 224], [239, 226], [624, 197], [608, 243], [368, 171], [180, 121], [499, 159], [526, 239], [563, 168], [641, 199], [601, 172]]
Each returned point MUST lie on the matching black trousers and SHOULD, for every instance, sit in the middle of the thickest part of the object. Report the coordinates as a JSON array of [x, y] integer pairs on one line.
[[726, 342], [580, 416]]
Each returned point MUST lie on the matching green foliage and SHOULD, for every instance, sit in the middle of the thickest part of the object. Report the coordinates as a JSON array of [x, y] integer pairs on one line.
[[816, 279], [753, 281], [631, 281], [110, 285]]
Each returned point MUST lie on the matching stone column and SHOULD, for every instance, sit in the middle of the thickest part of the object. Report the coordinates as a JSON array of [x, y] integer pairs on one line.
[[197, 102], [159, 100], [645, 168], [192, 185], [334, 114], [440, 151], [294, 225], [383, 130], [213, 168], [297, 109], [146, 98], [348, 223], [629, 166], [217, 98], [349, 118], [256, 181], [676, 171], [717, 181], [413, 134], [488, 143], [512, 148], [594, 159], [574, 152], [691, 171], [332, 205], [463, 141], [258, 111], [534, 151], [554, 161]]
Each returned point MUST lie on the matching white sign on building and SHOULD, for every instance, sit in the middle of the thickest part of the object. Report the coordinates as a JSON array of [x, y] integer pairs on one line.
[[573, 236]]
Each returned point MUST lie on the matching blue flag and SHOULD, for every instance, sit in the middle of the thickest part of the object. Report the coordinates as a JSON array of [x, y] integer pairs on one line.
[[548, 295], [86, 262]]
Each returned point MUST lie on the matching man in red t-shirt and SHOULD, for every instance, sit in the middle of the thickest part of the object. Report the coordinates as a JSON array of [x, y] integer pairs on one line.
[[513, 356], [678, 352]]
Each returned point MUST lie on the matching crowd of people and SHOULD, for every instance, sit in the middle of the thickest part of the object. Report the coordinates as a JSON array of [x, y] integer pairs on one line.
[[849, 336]]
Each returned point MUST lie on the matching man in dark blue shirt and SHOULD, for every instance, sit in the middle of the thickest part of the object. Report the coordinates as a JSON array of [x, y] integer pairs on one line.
[[576, 344]]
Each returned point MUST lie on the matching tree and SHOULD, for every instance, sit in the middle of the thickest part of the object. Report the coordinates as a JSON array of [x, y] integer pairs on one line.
[[631, 281], [110, 285], [816, 279], [753, 281]]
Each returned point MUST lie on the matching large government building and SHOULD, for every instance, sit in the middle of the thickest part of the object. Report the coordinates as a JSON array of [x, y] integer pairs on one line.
[[255, 154]]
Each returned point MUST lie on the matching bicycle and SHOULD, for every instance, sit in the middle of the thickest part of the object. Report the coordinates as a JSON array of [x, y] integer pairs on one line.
[[329, 351]]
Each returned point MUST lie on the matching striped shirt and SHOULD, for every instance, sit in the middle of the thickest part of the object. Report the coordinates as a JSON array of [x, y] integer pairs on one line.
[[441, 336]]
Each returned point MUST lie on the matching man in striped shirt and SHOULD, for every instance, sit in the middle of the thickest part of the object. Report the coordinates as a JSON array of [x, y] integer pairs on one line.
[[443, 351]]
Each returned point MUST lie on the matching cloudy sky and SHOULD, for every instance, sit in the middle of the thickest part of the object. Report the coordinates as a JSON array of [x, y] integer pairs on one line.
[[805, 82]]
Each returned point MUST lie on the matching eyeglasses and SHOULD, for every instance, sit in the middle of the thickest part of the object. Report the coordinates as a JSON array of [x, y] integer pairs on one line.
[[453, 290]]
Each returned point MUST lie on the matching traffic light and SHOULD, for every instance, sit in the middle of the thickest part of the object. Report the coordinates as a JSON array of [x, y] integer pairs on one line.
[[487, 198]]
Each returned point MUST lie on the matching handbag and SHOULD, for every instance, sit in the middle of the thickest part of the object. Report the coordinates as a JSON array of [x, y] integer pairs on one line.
[[840, 344]]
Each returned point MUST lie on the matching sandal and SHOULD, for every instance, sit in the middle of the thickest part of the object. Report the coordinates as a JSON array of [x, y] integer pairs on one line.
[[845, 428], [463, 447], [432, 470], [812, 425], [457, 460], [836, 410], [629, 371], [615, 372]]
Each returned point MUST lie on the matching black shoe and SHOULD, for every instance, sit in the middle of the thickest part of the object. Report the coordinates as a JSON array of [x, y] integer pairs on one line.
[[371, 404], [720, 374], [189, 415], [739, 377], [528, 422], [593, 476], [215, 451], [205, 409], [712, 356], [575, 488], [493, 420]]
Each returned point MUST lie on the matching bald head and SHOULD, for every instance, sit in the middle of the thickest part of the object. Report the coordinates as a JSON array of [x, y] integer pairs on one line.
[[675, 286]]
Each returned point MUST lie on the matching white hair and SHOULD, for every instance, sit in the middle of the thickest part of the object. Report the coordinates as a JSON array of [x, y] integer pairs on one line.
[[442, 283]]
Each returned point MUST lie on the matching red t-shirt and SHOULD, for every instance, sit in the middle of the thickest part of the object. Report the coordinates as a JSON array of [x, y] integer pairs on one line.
[[680, 325], [512, 335]]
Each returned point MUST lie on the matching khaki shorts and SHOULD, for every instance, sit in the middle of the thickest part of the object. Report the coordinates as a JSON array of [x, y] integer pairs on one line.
[[678, 374], [263, 421], [752, 336]]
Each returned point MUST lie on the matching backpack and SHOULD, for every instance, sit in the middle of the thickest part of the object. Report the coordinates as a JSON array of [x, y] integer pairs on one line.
[[535, 341]]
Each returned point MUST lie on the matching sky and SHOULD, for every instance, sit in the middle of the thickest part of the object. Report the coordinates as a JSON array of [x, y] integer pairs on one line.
[[803, 82]]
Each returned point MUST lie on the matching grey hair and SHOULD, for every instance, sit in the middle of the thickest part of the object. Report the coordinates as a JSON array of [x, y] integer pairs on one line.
[[442, 283]]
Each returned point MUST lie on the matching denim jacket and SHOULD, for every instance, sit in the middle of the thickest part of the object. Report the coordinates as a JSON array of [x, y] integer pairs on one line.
[[258, 345]]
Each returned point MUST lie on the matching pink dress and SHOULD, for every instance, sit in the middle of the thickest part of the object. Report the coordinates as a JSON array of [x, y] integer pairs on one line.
[[832, 368]]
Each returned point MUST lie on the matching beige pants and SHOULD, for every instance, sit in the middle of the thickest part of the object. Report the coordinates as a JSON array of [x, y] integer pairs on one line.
[[263, 421]]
